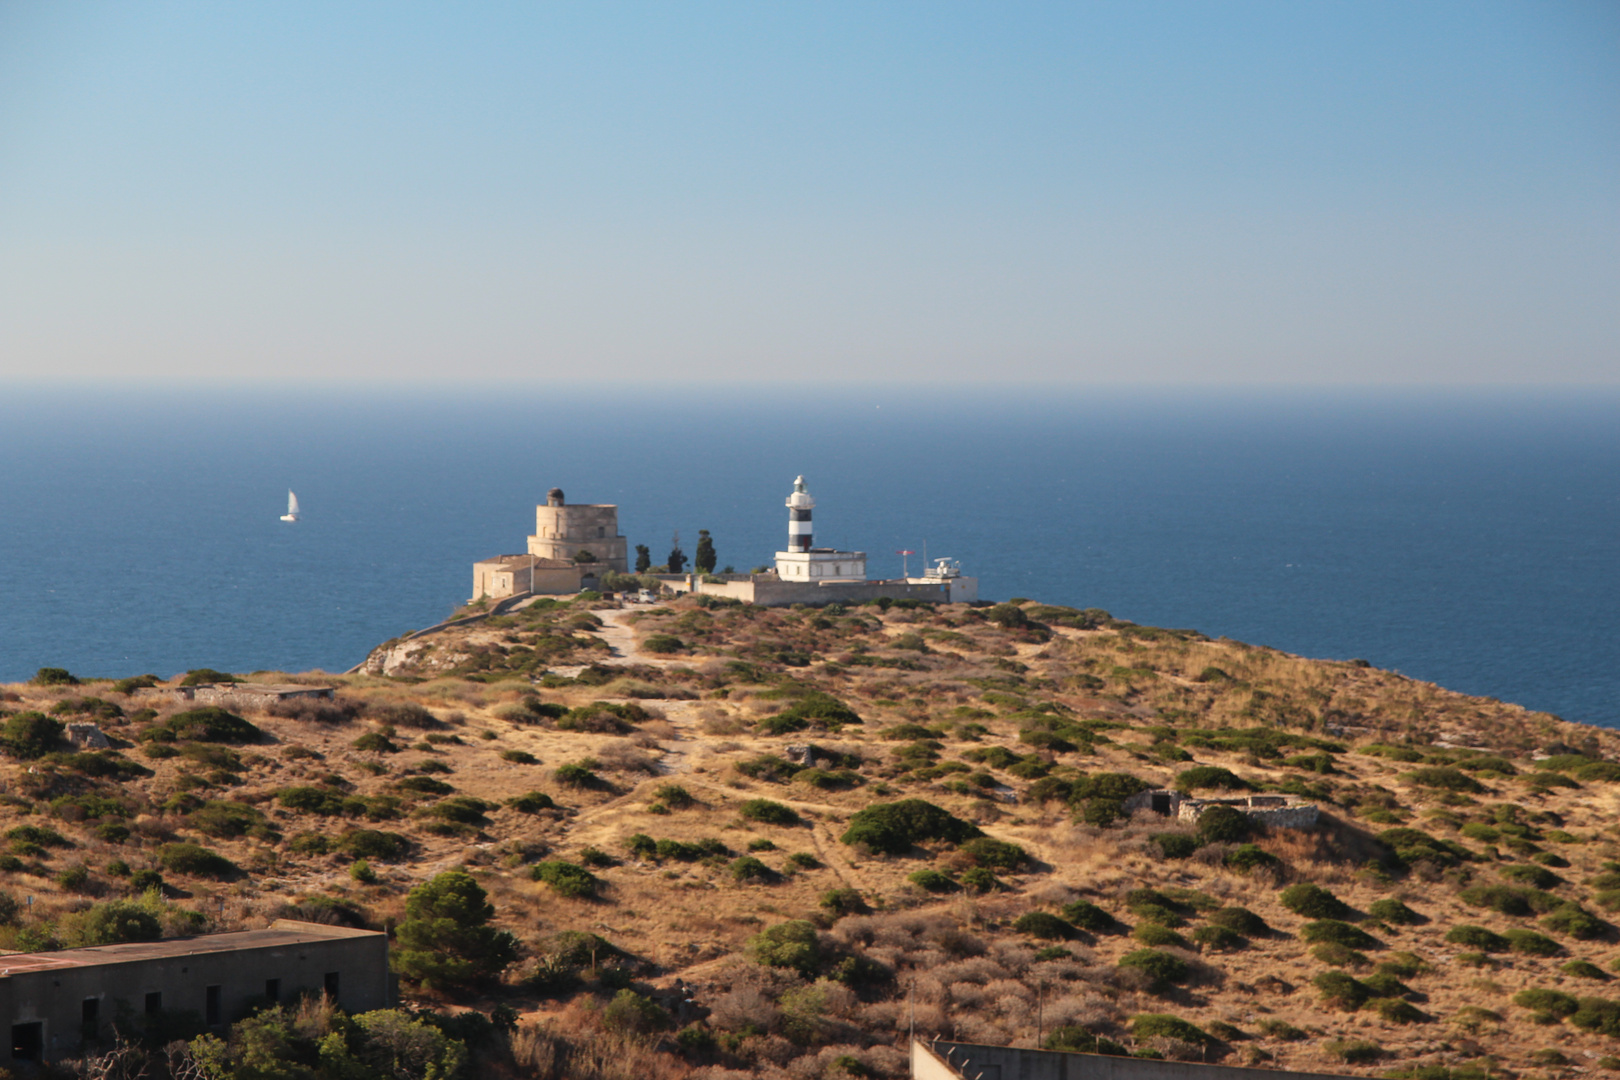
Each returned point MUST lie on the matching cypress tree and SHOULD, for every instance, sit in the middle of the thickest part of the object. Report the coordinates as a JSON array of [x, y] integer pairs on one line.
[[704, 561]]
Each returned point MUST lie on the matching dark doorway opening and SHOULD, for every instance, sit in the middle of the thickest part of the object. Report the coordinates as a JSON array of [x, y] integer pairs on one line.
[[27, 1040], [272, 990], [154, 1002], [211, 1006], [1161, 804], [332, 985], [90, 1018]]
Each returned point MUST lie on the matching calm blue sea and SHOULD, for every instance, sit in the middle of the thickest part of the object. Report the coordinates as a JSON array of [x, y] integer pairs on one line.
[[1472, 539]]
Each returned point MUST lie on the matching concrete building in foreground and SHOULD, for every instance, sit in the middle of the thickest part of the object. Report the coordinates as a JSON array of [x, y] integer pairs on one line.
[[940, 1060], [60, 1003]]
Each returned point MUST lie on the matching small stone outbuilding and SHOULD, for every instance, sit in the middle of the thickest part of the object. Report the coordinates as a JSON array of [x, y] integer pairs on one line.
[[1278, 811]]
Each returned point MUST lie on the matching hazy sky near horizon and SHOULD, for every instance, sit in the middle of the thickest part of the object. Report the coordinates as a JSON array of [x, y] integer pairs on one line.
[[1359, 192]]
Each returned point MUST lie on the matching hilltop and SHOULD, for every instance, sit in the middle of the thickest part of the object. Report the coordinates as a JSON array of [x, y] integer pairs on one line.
[[833, 824]]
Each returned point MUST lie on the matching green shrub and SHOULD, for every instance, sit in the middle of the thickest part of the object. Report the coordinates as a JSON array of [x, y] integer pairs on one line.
[[1444, 778], [227, 819], [1584, 969], [445, 938], [1160, 1026], [788, 945], [1413, 846], [532, 802], [194, 860], [1224, 825], [519, 757], [662, 643], [1205, 777], [1239, 920], [1218, 938], [1574, 921], [206, 724], [1156, 936], [1530, 943], [1248, 856], [1174, 845], [1397, 1011], [374, 844], [1099, 799], [674, 796], [576, 774], [54, 676], [748, 868], [1597, 1014], [1077, 1040], [375, 742], [566, 879], [1537, 877], [1394, 912], [1155, 906], [1044, 925], [1354, 1051], [461, 810], [1313, 902], [27, 736], [980, 879], [1088, 916], [1163, 969], [996, 854], [815, 708], [1336, 955], [630, 1013], [1338, 933], [1341, 990], [1547, 1002], [768, 812], [932, 881], [843, 902], [1477, 937], [892, 828]]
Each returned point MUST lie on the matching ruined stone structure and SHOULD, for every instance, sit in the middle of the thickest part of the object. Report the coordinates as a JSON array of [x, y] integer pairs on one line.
[[257, 696], [62, 1003], [515, 575], [1278, 811]]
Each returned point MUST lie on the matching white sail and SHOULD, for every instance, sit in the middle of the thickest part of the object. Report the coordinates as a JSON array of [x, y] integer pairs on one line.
[[292, 507]]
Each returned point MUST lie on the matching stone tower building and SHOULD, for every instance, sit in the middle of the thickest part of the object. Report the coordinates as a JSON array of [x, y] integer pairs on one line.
[[562, 532]]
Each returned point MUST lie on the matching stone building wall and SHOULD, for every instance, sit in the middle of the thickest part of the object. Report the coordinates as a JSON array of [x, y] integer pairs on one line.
[[562, 531]]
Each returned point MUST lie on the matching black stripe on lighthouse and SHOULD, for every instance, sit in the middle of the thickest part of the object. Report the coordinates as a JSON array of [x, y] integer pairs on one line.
[[798, 530]]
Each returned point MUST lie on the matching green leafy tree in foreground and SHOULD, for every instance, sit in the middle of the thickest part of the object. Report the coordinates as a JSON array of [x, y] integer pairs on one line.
[[643, 558], [704, 561], [446, 939]]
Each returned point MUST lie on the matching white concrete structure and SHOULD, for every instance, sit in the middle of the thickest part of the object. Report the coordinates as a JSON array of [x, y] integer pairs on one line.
[[948, 573], [804, 564]]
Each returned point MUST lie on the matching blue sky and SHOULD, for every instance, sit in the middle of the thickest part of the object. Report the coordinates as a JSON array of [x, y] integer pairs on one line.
[[1069, 193]]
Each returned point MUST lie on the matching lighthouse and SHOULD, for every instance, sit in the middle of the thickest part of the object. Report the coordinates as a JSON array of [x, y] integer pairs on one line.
[[799, 505], [803, 561]]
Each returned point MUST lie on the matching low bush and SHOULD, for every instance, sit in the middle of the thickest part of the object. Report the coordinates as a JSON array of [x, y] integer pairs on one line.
[[566, 879], [1338, 933], [1444, 778], [1044, 925], [1342, 991], [1597, 1014], [532, 802], [892, 828], [1206, 777], [769, 812], [1224, 825], [1163, 969], [1530, 943], [1174, 845], [1219, 939], [748, 868], [1246, 857], [1088, 916], [932, 881], [1574, 921], [788, 945], [1584, 969], [1160, 1026], [1239, 920], [996, 854], [1551, 1003], [194, 860], [1394, 912], [206, 724], [1313, 902], [1477, 937], [1156, 936], [1077, 1040]]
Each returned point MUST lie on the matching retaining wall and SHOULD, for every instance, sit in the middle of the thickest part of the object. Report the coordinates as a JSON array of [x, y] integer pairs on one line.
[[971, 1061]]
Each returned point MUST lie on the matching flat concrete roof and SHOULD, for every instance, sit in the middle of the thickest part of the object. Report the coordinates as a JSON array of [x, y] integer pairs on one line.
[[282, 932]]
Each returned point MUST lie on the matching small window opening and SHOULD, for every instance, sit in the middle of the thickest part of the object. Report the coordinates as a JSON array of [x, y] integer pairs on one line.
[[27, 1040]]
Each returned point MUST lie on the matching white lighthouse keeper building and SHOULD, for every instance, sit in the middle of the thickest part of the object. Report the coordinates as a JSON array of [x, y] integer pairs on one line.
[[802, 561]]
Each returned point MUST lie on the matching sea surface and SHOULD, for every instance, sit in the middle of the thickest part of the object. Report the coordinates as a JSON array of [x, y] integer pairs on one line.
[[1467, 538]]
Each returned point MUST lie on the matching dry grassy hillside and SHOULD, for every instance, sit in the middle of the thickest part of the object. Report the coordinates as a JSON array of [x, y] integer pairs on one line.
[[643, 819]]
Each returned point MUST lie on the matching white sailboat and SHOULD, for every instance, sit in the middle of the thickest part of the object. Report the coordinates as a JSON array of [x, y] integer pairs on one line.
[[292, 507]]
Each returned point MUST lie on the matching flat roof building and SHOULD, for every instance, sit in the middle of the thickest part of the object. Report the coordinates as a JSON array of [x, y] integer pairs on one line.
[[60, 1003]]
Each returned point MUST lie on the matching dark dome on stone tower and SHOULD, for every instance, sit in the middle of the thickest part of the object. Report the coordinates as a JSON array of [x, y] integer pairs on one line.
[[554, 497]]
